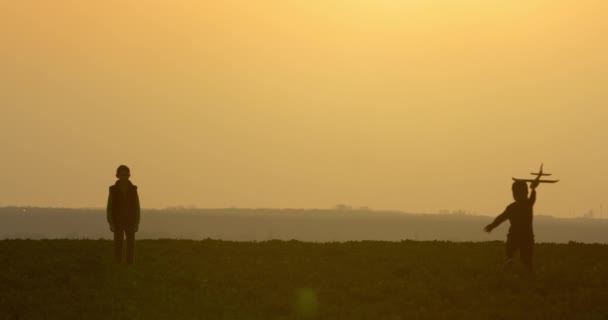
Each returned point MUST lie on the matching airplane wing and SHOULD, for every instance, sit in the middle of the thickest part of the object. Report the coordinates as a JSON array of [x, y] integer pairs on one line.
[[532, 180], [540, 174]]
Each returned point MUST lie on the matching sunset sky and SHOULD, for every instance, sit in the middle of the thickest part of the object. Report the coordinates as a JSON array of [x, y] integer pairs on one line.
[[392, 104]]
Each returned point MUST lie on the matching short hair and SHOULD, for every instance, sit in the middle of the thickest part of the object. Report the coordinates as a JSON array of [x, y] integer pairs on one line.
[[121, 168], [519, 186]]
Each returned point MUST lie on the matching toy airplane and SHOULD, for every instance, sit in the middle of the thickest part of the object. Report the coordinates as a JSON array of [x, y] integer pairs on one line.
[[538, 175]]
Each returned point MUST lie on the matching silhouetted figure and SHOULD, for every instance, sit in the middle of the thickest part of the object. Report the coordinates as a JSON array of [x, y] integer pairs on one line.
[[123, 213], [520, 214]]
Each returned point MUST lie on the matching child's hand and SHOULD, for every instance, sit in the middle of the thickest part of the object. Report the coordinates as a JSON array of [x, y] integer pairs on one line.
[[534, 184], [488, 228]]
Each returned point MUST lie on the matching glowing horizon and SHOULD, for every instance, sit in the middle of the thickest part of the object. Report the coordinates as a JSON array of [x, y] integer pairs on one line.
[[406, 105]]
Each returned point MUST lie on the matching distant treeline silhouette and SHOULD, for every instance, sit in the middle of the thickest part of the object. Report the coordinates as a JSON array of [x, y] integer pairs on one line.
[[301, 224]]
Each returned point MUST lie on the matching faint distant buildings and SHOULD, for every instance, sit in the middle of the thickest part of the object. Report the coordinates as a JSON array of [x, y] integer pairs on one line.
[[345, 207]]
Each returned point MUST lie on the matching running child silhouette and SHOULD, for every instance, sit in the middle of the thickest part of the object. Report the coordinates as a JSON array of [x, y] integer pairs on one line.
[[520, 215]]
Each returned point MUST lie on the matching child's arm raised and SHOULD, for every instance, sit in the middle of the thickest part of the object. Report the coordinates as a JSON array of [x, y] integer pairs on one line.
[[533, 186]]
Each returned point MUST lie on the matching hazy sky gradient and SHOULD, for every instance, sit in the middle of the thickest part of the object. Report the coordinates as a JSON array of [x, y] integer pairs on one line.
[[410, 105]]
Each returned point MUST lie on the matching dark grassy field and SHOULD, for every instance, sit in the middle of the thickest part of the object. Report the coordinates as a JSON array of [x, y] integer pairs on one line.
[[178, 279]]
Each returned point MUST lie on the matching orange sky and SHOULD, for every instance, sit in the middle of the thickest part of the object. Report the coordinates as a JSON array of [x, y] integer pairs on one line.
[[410, 105]]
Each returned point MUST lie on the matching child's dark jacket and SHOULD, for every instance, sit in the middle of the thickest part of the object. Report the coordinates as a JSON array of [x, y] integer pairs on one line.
[[520, 214], [123, 209]]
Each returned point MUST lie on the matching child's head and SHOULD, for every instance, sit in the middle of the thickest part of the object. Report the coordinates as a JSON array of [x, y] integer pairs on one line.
[[520, 190], [123, 172]]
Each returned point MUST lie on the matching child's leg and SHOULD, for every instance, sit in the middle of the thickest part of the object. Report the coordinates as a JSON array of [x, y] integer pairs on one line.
[[526, 252], [118, 236], [510, 249], [130, 246]]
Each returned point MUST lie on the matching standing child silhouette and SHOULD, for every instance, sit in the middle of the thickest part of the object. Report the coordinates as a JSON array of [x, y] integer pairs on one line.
[[520, 215], [123, 213]]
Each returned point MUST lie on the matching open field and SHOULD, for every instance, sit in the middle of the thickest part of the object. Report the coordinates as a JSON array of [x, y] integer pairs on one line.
[[181, 279]]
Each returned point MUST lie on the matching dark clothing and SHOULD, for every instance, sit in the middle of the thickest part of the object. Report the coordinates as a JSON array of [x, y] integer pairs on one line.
[[123, 206], [119, 235], [123, 217], [525, 245], [521, 234], [520, 215]]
